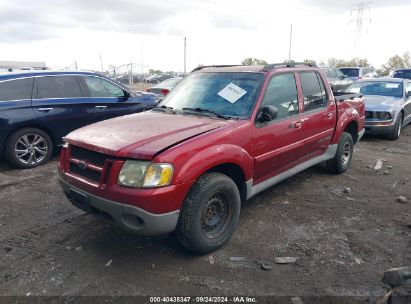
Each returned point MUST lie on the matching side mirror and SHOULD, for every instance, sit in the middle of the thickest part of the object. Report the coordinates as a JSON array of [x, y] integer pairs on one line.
[[408, 94], [343, 77], [267, 113], [126, 95]]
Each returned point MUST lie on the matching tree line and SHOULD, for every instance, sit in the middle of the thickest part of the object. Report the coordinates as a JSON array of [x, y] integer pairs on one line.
[[394, 63]]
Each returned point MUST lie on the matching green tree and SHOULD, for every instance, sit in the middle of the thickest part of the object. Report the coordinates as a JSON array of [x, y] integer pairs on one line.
[[253, 61], [310, 61], [396, 62]]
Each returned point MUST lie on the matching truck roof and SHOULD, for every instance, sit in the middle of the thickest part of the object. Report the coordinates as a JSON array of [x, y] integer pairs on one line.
[[252, 68]]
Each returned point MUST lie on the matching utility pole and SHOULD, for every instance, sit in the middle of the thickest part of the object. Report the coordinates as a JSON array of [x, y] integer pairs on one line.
[[75, 64], [291, 40], [360, 9], [131, 73], [185, 55], [101, 63], [142, 61]]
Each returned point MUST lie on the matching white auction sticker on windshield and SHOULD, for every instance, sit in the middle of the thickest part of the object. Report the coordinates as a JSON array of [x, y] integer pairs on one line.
[[232, 93], [391, 85]]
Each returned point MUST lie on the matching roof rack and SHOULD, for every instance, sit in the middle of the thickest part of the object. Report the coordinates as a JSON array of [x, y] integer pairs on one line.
[[214, 66], [290, 64]]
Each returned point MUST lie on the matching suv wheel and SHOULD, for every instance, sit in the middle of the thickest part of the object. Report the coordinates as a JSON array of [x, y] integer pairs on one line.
[[28, 148], [396, 132], [209, 214], [343, 157]]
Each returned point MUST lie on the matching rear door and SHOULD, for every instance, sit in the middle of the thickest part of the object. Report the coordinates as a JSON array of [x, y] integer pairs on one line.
[[319, 117], [15, 105], [107, 99], [60, 104], [279, 144]]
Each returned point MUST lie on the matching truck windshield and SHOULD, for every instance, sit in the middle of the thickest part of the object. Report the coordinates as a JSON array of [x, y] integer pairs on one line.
[[382, 88], [226, 94], [402, 74]]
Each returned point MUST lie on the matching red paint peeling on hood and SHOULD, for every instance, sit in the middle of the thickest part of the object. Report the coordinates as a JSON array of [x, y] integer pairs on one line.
[[141, 135]]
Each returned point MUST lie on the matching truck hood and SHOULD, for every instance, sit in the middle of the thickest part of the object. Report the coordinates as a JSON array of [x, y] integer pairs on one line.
[[381, 103], [142, 135]]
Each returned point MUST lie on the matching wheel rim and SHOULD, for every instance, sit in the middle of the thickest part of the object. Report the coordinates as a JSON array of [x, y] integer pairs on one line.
[[399, 129], [31, 149], [346, 153], [216, 215]]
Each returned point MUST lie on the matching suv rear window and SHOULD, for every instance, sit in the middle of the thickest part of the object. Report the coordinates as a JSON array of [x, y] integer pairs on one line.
[[405, 74], [19, 89], [350, 72], [58, 87]]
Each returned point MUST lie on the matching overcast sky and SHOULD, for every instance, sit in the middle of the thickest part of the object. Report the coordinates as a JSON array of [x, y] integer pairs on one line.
[[60, 32]]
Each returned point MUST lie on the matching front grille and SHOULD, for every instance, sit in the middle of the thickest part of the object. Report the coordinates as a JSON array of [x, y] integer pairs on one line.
[[86, 173], [368, 114], [87, 164], [88, 156]]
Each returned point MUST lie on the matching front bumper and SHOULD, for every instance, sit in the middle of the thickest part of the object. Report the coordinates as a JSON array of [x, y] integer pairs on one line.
[[376, 128], [129, 218]]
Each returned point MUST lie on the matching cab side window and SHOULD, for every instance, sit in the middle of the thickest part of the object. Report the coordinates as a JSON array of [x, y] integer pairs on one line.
[[314, 93], [99, 87], [282, 93]]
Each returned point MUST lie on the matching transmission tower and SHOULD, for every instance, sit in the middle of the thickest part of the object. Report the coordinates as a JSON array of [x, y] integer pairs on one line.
[[362, 16]]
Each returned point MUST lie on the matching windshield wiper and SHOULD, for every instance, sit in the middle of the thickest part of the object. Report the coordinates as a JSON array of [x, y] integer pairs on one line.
[[201, 110], [165, 109]]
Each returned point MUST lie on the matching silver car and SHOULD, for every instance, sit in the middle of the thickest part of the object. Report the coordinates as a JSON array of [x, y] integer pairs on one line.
[[387, 104]]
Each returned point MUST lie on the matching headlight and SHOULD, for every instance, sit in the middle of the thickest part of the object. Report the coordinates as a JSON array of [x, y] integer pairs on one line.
[[383, 115], [142, 174]]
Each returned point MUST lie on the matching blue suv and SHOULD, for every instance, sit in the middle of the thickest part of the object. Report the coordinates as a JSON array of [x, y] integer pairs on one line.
[[38, 108]]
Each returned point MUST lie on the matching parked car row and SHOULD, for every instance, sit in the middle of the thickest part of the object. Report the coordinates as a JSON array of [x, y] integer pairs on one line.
[[218, 137]]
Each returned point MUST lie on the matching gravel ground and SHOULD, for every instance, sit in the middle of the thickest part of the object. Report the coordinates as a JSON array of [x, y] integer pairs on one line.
[[343, 239]]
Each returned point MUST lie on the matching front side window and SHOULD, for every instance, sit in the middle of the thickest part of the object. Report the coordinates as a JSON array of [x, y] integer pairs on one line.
[[226, 93], [58, 87], [99, 87], [313, 91], [19, 89], [282, 94]]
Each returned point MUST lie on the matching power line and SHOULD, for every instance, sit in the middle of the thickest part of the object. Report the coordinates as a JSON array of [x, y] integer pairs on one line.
[[360, 20]]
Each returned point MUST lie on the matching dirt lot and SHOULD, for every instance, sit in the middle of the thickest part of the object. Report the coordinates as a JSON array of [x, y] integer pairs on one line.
[[343, 241]]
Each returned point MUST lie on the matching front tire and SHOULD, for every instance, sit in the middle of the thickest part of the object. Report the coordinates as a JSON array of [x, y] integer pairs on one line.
[[396, 132], [209, 214], [343, 157], [28, 148]]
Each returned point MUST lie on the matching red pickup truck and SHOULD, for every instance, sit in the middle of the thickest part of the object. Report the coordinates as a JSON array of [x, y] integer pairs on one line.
[[224, 134]]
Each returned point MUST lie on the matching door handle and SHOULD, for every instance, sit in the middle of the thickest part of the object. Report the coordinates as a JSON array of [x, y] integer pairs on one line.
[[101, 107], [44, 109], [295, 125], [330, 115]]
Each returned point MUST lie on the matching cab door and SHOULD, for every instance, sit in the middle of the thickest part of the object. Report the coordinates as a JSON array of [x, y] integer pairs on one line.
[[319, 116], [278, 144]]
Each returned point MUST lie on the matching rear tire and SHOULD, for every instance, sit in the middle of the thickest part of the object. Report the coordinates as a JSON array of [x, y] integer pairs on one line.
[[209, 214], [28, 148], [396, 132], [343, 157]]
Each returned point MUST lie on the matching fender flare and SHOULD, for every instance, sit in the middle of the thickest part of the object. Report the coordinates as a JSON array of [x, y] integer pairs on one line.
[[214, 156], [351, 115]]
